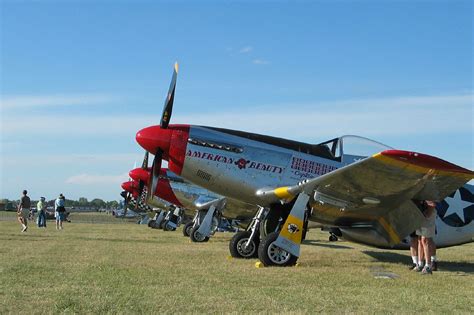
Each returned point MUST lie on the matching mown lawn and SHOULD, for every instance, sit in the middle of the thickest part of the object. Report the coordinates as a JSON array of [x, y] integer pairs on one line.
[[130, 268]]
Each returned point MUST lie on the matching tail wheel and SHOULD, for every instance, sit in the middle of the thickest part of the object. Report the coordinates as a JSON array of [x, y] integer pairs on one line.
[[197, 237], [151, 223], [272, 255], [187, 229], [237, 246]]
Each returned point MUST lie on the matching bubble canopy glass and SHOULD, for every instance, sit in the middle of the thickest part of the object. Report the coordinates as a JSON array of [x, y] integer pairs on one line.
[[354, 146]]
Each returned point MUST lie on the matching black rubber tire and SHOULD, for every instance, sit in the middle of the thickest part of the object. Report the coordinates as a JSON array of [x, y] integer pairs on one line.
[[236, 242], [165, 226], [162, 224], [333, 238], [195, 237], [151, 223], [264, 257], [187, 228]]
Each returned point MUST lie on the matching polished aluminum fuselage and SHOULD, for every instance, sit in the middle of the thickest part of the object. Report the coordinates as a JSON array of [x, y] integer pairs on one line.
[[240, 175], [193, 197]]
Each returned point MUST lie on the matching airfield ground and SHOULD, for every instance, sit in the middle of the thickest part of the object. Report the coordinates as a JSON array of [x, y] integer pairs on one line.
[[123, 268]]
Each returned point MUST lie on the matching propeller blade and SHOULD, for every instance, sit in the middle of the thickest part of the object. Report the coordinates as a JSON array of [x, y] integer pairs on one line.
[[145, 161], [126, 197], [155, 173], [168, 107]]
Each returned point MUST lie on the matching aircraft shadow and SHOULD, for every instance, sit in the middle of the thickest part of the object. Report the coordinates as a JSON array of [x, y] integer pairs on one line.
[[320, 244], [451, 266]]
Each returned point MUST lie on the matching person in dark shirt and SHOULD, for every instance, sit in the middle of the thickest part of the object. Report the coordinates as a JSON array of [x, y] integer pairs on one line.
[[60, 211], [24, 211]]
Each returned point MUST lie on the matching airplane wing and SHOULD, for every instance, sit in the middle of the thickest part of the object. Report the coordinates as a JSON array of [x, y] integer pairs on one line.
[[378, 191]]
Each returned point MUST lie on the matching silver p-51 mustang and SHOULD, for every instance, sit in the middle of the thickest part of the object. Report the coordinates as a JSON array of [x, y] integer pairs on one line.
[[355, 184]]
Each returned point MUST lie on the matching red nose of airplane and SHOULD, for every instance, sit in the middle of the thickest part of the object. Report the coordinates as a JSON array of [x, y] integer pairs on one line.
[[140, 174], [129, 186], [154, 137]]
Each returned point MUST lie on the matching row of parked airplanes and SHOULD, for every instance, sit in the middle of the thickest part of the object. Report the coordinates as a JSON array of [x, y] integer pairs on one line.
[[356, 188]]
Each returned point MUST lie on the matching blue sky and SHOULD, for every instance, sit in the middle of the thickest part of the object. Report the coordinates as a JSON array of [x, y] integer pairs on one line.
[[79, 78]]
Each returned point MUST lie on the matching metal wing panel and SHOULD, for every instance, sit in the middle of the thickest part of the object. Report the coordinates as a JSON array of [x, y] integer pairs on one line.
[[390, 176]]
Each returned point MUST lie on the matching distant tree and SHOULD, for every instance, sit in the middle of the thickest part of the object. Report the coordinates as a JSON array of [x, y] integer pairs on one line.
[[112, 204], [98, 203], [82, 202]]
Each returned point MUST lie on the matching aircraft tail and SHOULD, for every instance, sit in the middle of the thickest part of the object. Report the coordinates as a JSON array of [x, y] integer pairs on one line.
[[455, 221]]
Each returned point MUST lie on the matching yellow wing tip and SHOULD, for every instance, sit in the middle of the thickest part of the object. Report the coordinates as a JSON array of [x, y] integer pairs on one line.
[[377, 155], [176, 67]]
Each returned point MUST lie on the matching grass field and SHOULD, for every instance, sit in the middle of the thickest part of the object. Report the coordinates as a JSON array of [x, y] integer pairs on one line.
[[130, 268]]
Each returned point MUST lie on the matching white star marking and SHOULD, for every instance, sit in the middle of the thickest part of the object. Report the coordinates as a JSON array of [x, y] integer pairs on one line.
[[456, 205]]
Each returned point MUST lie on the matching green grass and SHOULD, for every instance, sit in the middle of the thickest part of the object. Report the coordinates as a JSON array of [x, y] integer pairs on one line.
[[130, 268]]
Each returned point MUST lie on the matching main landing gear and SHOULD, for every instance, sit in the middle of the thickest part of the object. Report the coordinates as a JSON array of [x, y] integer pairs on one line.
[[204, 225], [272, 255], [167, 220], [244, 244], [262, 238]]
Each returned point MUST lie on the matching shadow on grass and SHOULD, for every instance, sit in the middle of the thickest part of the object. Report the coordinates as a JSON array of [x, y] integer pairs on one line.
[[397, 258], [322, 244]]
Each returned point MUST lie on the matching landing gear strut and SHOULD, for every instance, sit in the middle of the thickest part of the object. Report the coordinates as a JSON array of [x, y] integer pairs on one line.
[[204, 225], [282, 247], [245, 244]]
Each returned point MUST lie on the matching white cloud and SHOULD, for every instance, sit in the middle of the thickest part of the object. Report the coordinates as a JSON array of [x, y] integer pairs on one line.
[[311, 124], [48, 160], [245, 50], [68, 125], [260, 62], [369, 117], [22, 101], [90, 179]]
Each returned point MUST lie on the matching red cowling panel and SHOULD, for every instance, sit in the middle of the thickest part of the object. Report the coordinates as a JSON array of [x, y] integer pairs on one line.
[[425, 160], [140, 174], [129, 186], [164, 191], [177, 150]]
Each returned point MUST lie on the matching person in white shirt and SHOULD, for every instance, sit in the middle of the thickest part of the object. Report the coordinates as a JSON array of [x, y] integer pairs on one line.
[[60, 211]]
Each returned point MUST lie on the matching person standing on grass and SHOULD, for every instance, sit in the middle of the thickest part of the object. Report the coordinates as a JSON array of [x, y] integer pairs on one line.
[[24, 211], [60, 211], [414, 239], [41, 207], [426, 233]]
